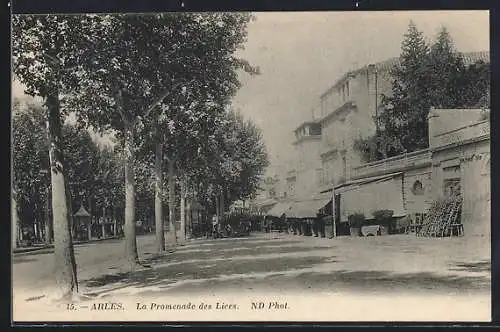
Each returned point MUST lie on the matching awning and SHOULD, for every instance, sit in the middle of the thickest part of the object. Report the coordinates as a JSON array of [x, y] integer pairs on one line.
[[263, 203], [307, 209], [278, 210], [369, 196], [267, 203]]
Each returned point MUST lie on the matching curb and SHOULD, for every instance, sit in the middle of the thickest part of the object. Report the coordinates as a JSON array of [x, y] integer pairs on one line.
[[49, 248]]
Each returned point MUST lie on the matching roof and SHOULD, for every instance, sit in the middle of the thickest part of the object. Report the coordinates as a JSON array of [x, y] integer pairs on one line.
[[81, 212], [468, 57], [266, 202]]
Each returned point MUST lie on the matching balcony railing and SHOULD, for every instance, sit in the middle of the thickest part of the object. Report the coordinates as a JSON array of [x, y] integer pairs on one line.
[[392, 164], [461, 134]]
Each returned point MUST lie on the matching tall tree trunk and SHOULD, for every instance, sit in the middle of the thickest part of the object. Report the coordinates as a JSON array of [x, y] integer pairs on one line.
[[222, 207], [189, 217], [69, 204], [113, 217], [182, 236], [129, 227], [90, 212], [217, 206], [172, 238], [48, 221], [14, 220], [65, 265], [103, 225], [160, 232]]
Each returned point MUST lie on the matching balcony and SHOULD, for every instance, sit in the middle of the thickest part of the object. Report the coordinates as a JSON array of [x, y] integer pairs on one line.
[[340, 109], [420, 158], [327, 184]]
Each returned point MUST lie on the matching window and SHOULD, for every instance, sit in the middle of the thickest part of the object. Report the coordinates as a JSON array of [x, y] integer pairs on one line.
[[451, 187], [417, 188], [291, 188]]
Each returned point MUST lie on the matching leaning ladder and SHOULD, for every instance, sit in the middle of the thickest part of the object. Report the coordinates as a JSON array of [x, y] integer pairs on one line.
[[456, 206]]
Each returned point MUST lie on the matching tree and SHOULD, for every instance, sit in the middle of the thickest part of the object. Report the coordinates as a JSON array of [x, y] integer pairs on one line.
[[245, 146], [44, 46], [425, 77], [474, 84], [204, 64], [446, 73], [90, 168], [123, 81], [29, 158], [405, 116], [237, 160]]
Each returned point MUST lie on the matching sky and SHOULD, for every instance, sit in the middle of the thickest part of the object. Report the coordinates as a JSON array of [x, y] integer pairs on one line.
[[301, 54]]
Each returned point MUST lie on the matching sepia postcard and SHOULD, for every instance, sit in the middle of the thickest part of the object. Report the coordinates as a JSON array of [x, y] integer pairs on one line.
[[251, 166]]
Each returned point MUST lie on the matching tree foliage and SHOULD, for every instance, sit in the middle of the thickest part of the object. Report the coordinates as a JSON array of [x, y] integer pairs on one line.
[[92, 169], [426, 76]]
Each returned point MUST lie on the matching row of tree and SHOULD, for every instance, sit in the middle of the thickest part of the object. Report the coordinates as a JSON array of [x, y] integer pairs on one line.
[[426, 75], [161, 84], [93, 170]]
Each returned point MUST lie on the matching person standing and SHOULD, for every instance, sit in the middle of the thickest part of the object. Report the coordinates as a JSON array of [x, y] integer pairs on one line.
[[215, 226]]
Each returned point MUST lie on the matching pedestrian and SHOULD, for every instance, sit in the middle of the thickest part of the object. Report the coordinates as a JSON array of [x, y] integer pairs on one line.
[[215, 224]]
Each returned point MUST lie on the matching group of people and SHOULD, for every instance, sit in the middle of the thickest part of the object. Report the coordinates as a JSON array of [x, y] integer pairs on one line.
[[218, 231]]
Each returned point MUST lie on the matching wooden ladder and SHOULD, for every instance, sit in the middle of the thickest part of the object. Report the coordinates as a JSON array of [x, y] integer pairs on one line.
[[456, 206]]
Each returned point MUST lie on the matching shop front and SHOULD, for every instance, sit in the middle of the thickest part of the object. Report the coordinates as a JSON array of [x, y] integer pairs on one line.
[[367, 196], [306, 216]]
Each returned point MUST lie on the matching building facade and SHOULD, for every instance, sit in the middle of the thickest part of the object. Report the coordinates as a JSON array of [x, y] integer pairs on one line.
[[348, 110], [304, 178], [460, 143], [326, 161]]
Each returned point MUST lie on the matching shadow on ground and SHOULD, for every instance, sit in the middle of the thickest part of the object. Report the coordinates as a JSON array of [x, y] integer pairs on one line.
[[362, 282], [180, 256], [165, 276], [480, 266]]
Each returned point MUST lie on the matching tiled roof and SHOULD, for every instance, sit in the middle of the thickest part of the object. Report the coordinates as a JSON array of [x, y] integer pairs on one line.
[[469, 58], [473, 57]]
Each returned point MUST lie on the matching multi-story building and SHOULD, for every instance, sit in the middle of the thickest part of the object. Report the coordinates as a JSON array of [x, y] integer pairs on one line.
[[303, 180], [325, 156], [348, 110]]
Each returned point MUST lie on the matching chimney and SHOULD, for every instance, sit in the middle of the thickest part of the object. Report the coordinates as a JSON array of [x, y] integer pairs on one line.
[[432, 119]]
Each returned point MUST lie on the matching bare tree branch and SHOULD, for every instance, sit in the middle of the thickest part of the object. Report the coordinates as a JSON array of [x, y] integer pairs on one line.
[[159, 100]]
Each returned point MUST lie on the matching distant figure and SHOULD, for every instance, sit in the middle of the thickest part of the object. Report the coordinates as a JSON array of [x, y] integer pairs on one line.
[[229, 230], [215, 226]]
